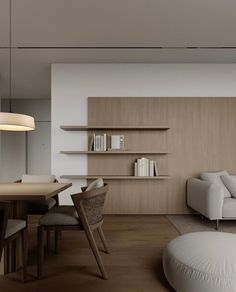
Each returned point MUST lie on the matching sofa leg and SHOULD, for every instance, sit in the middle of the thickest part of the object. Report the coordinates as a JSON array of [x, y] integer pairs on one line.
[[217, 224]]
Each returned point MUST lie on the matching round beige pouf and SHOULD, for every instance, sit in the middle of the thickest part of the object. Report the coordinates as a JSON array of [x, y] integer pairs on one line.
[[201, 262]]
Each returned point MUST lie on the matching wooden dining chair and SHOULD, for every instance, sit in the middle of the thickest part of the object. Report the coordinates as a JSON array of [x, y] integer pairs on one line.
[[40, 207], [86, 215], [10, 230]]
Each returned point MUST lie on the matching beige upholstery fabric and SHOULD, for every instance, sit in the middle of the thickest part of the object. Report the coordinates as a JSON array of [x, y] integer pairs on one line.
[[60, 215], [29, 178], [215, 177], [201, 262], [205, 197], [230, 183], [229, 208], [98, 183], [14, 226]]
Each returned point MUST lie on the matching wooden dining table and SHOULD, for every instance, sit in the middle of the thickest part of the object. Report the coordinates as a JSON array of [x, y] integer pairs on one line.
[[19, 194]]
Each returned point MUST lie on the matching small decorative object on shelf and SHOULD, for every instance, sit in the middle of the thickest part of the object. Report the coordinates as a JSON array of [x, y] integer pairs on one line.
[[145, 167], [117, 142]]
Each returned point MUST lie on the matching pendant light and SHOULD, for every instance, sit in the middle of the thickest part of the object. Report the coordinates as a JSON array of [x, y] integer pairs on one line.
[[10, 121]]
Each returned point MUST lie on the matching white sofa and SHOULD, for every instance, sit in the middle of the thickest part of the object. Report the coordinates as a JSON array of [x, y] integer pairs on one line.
[[210, 197]]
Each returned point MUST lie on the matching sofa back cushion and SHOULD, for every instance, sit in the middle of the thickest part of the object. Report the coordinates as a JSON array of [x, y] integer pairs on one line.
[[215, 177], [30, 178], [230, 183]]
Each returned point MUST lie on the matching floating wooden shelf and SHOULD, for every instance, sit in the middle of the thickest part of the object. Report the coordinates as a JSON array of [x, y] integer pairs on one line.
[[114, 152], [86, 128], [116, 177]]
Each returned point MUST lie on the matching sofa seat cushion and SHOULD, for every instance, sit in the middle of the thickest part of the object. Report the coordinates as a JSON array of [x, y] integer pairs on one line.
[[201, 262], [13, 226], [229, 208], [60, 215], [41, 207], [215, 177]]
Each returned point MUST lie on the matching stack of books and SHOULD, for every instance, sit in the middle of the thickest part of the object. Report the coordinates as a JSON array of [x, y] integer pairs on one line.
[[105, 142], [145, 167]]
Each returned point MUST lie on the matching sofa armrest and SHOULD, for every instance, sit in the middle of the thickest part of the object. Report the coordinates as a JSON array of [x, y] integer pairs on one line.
[[205, 197]]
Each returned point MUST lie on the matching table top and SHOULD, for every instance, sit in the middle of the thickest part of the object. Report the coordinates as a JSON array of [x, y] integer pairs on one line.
[[30, 191]]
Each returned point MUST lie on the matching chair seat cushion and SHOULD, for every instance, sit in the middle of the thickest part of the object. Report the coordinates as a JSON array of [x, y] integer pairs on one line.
[[41, 207], [13, 226], [60, 215], [201, 261], [229, 208]]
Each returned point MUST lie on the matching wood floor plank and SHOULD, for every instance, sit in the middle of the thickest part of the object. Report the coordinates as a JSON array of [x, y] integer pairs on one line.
[[135, 263]]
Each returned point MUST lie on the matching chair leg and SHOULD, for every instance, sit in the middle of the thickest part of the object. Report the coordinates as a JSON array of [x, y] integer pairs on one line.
[[217, 224], [48, 240], [24, 253], [103, 239], [56, 238], [40, 250], [96, 254]]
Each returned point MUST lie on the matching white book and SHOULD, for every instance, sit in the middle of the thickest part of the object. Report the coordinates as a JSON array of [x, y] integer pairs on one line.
[[97, 143], [101, 143], [147, 167], [139, 167], [104, 142], [142, 166]]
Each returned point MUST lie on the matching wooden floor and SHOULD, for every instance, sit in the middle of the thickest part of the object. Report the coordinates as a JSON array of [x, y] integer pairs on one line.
[[135, 262]]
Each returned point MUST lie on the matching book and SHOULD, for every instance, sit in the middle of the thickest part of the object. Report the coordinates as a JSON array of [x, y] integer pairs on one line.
[[151, 168], [155, 169], [145, 167], [91, 145], [97, 143], [136, 168], [104, 142]]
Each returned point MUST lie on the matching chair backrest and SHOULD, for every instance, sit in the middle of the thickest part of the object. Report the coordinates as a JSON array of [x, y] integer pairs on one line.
[[4, 214], [30, 178], [89, 205]]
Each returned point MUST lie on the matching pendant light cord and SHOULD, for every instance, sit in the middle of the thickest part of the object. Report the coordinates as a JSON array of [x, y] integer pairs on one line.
[[10, 56]]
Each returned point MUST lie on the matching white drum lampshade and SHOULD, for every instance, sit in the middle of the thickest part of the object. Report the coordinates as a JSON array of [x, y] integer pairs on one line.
[[16, 122]]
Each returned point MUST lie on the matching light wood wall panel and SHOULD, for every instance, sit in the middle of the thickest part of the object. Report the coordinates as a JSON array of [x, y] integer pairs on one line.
[[202, 137]]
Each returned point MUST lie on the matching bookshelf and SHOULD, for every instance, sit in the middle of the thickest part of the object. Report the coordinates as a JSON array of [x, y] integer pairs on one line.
[[88, 128], [124, 153], [114, 152], [116, 177], [146, 129]]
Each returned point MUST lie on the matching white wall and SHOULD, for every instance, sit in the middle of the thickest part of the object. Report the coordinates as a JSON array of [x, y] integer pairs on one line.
[[14, 157], [72, 84]]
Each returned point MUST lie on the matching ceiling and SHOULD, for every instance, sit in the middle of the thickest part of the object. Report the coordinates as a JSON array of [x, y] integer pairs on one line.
[[109, 31]]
